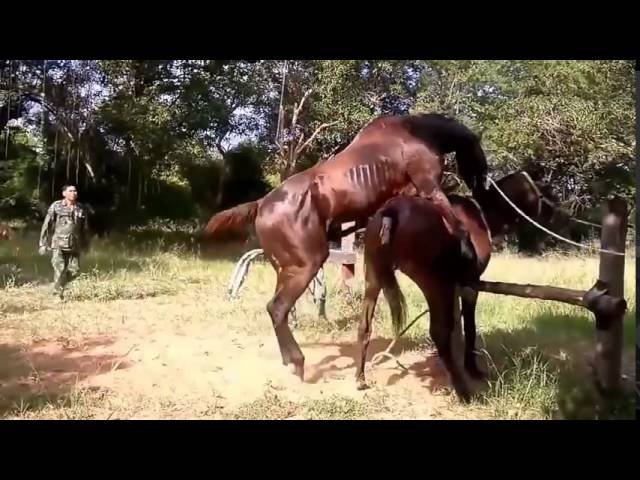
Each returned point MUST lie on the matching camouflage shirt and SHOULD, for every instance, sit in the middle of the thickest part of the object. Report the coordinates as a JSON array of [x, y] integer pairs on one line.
[[65, 227]]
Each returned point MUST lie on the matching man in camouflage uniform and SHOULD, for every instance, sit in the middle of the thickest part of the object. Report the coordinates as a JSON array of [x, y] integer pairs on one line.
[[65, 233]]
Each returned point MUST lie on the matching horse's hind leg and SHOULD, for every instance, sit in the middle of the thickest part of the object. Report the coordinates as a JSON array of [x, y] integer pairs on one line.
[[441, 298], [469, 300], [372, 290], [292, 282]]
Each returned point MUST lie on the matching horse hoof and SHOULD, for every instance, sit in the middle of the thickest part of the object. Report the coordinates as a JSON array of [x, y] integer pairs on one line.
[[462, 392], [475, 372], [297, 370], [465, 397], [361, 385]]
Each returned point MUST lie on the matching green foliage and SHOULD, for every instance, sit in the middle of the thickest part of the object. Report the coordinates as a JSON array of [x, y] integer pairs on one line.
[[573, 122], [353, 92], [18, 176], [185, 138], [244, 180]]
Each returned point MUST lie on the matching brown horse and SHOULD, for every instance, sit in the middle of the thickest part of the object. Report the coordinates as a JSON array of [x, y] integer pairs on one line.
[[422, 248], [390, 155]]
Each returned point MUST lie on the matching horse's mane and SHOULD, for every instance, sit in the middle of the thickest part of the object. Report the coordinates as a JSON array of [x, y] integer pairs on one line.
[[445, 132], [446, 135]]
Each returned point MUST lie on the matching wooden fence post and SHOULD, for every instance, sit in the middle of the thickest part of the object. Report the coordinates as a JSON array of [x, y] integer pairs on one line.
[[320, 293], [347, 270], [609, 330]]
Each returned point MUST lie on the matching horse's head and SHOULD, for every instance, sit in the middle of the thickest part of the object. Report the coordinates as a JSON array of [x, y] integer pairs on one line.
[[472, 165], [523, 193]]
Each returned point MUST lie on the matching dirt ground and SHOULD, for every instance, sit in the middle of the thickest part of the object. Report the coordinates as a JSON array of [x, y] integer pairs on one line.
[[225, 369]]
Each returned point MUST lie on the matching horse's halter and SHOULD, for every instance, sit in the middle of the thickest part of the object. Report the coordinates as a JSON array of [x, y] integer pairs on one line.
[[487, 182], [553, 206], [541, 197]]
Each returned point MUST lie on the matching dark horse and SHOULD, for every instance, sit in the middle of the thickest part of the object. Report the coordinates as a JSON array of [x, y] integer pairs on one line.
[[390, 155], [423, 249]]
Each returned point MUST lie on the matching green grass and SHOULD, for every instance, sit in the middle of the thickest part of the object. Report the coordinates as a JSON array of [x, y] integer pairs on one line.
[[335, 407], [536, 351]]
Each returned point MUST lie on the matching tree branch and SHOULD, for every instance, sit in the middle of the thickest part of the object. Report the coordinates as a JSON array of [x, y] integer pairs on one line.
[[36, 97], [298, 109], [318, 130], [90, 170], [219, 146], [298, 148]]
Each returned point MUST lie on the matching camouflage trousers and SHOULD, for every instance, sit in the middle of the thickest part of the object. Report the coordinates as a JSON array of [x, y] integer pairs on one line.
[[66, 266]]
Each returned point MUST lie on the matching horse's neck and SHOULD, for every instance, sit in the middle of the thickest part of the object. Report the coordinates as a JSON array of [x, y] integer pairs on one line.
[[495, 222]]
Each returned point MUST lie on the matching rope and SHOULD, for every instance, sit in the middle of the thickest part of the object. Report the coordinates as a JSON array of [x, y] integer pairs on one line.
[[387, 351], [577, 220], [559, 237]]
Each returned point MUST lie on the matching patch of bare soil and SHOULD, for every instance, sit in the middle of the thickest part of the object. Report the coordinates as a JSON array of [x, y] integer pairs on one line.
[[53, 368], [226, 367]]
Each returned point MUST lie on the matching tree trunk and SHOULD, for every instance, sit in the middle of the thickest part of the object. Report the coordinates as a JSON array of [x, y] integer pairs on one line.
[[68, 161], [6, 143], [284, 172], [221, 179], [129, 176], [78, 163], [39, 175], [6, 135], [140, 189], [288, 167], [86, 170], [55, 160]]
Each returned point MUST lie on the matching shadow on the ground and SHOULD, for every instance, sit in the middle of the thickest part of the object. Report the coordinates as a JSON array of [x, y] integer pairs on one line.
[[565, 343], [44, 373], [327, 367]]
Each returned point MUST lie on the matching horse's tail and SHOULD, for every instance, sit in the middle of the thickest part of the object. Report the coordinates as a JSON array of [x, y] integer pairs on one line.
[[395, 299], [383, 265], [230, 219]]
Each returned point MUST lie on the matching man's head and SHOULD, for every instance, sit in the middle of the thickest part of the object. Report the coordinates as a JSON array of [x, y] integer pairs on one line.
[[70, 193]]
